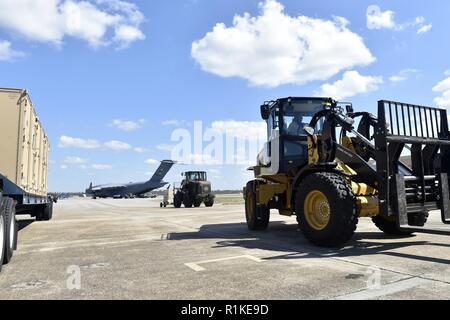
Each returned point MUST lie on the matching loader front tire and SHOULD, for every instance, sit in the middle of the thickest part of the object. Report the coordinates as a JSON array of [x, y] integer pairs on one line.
[[257, 217], [389, 226], [418, 219], [326, 209]]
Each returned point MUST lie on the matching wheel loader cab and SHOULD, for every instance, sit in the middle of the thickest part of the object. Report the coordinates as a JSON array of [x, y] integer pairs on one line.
[[194, 176], [287, 144]]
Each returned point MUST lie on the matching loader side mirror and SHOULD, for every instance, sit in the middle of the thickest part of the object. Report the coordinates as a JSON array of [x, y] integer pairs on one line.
[[309, 130], [265, 112]]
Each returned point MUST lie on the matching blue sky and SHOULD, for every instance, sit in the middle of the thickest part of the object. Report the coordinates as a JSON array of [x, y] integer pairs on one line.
[[133, 62]]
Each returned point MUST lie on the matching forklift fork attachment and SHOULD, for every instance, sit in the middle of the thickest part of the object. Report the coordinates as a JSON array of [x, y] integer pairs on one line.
[[425, 186]]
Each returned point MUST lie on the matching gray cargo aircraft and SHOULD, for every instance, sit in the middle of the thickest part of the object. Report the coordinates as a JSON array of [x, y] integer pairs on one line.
[[130, 190]]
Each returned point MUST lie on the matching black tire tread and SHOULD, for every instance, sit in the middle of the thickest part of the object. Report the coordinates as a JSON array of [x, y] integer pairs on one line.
[[345, 206], [2, 213], [263, 212], [390, 227], [9, 213]]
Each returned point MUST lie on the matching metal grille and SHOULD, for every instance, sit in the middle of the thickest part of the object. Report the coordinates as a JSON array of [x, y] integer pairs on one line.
[[415, 121]]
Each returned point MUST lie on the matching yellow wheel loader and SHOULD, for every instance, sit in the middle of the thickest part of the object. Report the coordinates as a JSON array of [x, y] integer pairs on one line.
[[329, 166]]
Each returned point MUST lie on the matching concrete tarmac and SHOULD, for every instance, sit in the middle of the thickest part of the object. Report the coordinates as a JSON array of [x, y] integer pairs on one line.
[[132, 249]]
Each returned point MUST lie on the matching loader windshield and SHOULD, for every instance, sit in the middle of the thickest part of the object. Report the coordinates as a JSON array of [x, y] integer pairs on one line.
[[298, 114], [196, 176], [295, 115]]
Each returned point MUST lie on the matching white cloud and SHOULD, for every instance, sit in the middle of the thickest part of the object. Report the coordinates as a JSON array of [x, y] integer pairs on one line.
[[102, 166], [274, 48], [403, 75], [173, 122], [352, 83], [140, 150], [443, 87], [118, 145], [149, 174], [126, 125], [127, 35], [204, 159], [378, 19], [151, 161], [251, 130], [64, 167], [92, 21], [216, 172], [165, 147], [7, 53], [70, 142], [74, 160], [425, 28]]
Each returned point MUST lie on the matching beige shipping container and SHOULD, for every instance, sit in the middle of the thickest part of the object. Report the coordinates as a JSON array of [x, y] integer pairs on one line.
[[24, 146]]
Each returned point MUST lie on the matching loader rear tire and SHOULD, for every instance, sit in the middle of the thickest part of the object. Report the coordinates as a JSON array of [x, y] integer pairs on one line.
[[257, 217], [326, 209]]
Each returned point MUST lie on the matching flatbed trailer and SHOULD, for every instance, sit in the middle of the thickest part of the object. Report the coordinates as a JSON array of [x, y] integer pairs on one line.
[[24, 149]]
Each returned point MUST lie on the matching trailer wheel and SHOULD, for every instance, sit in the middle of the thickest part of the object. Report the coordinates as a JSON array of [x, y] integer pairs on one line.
[[326, 209], [10, 230], [257, 217], [2, 232], [47, 213]]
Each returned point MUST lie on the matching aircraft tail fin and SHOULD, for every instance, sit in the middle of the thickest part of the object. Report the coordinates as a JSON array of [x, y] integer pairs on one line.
[[90, 186], [163, 169]]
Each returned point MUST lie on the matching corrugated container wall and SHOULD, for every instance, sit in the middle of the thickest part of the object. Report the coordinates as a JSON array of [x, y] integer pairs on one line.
[[24, 146]]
